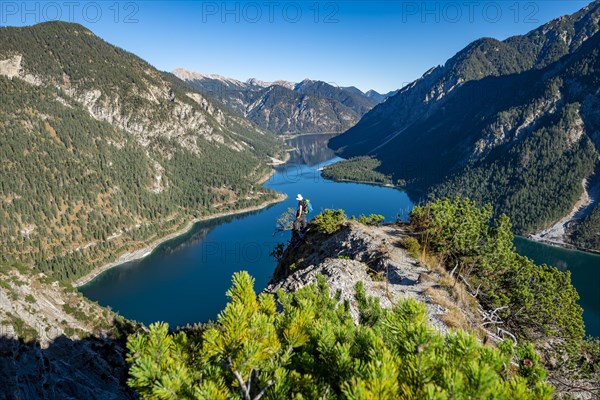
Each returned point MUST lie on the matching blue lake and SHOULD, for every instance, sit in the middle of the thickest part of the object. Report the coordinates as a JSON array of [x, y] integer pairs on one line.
[[585, 275], [185, 279]]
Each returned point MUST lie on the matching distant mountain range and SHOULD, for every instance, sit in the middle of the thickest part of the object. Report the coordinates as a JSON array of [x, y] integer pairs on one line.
[[514, 122], [284, 107]]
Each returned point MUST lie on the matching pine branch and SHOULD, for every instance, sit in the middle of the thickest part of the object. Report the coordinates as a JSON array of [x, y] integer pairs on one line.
[[238, 376], [262, 392]]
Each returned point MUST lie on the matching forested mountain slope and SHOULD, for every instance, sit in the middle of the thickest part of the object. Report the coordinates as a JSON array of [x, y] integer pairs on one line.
[[514, 123], [101, 152], [483, 57]]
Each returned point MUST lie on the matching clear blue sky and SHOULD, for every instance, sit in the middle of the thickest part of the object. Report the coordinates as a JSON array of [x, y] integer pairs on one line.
[[379, 45]]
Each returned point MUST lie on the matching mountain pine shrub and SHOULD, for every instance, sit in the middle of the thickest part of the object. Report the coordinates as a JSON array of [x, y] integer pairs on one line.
[[313, 349]]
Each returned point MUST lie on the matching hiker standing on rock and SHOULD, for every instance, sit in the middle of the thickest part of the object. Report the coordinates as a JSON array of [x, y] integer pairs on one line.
[[300, 221]]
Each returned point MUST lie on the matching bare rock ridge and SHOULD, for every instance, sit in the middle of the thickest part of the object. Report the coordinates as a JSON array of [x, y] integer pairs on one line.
[[56, 344], [373, 255]]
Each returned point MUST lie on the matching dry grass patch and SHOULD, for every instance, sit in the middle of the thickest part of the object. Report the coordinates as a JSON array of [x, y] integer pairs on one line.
[[454, 316], [431, 262], [454, 289]]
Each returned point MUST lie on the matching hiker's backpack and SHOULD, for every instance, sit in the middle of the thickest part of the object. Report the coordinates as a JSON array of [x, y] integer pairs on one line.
[[308, 206]]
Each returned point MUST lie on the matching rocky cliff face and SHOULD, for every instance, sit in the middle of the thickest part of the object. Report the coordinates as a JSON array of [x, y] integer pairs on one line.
[[56, 344], [376, 257]]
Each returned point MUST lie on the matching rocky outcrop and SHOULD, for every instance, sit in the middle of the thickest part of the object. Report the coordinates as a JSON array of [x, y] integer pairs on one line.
[[11, 66], [56, 344], [66, 369], [372, 255], [32, 309]]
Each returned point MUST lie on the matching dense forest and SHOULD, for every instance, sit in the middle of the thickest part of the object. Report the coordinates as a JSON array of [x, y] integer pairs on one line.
[[587, 233], [537, 181], [356, 169], [85, 180]]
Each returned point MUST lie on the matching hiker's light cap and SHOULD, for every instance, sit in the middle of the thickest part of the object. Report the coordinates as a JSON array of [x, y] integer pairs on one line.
[[299, 197]]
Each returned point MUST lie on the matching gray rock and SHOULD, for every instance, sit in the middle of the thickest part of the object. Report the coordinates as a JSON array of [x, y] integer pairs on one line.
[[358, 253], [51, 346]]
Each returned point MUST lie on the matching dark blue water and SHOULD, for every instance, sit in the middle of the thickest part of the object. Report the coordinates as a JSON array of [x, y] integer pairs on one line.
[[585, 275], [184, 280]]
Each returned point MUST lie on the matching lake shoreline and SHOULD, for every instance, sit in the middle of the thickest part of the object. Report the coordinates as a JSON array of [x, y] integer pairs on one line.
[[285, 136], [561, 244], [146, 251], [533, 237], [203, 273], [387, 185]]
